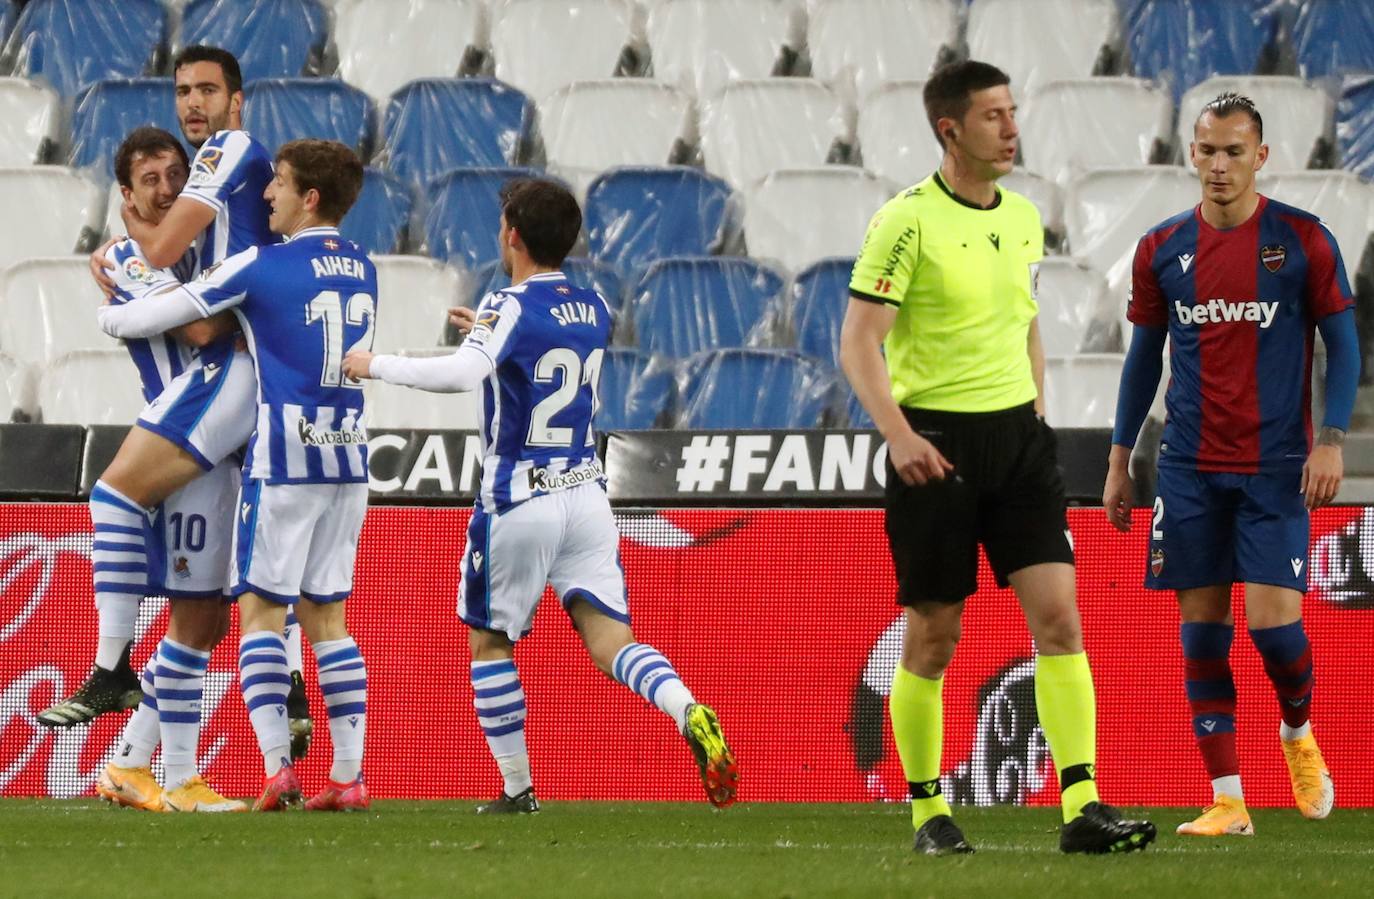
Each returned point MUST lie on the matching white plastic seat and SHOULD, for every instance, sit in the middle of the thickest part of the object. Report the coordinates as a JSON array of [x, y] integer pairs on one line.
[[30, 113], [857, 45], [415, 294], [48, 309], [91, 387], [1054, 39], [1073, 307], [1296, 115], [594, 125], [1043, 193], [389, 407], [701, 45], [894, 138], [756, 127], [383, 44], [798, 216], [1107, 211], [57, 210], [1072, 126], [543, 45], [1080, 391], [1344, 202], [16, 389]]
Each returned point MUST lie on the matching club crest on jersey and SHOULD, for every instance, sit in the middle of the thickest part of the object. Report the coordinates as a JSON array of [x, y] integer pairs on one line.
[[182, 567], [1156, 561], [1273, 256], [206, 164], [136, 269]]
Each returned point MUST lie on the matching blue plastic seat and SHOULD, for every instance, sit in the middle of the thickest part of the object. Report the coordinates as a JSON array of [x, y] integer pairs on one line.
[[1334, 37], [1185, 42], [270, 38], [464, 215], [276, 110], [105, 112], [691, 304], [1355, 127], [581, 271], [434, 125], [636, 215], [635, 391], [820, 295], [380, 216], [754, 389], [73, 43]]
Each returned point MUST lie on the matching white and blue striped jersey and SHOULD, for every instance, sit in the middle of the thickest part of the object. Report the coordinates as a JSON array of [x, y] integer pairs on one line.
[[229, 174], [302, 304], [158, 359], [546, 339]]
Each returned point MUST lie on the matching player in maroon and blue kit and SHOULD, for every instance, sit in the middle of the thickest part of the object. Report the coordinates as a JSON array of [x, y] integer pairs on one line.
[[1238, 284]]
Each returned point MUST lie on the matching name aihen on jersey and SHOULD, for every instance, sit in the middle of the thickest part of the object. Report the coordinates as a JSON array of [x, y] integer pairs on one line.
[[546, 340], [303, 304]]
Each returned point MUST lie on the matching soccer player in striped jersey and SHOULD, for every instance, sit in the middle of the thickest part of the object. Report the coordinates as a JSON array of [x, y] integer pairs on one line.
[[220, 211], [542, 516], [1238, 285], [192, 526], [304, 492]]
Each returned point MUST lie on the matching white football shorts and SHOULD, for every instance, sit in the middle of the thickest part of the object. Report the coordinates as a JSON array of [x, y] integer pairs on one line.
[[294, 540], [209, 410], [196, 530], [567, 539]]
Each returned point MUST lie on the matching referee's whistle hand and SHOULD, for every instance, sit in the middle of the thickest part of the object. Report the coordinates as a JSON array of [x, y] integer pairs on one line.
[[917, 461]]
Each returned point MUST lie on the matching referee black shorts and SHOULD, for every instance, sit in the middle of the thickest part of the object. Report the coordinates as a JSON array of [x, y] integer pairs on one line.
[[1005, 492]]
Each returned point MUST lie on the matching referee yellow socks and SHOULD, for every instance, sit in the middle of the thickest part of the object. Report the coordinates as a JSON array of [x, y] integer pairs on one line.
[[918, 724], [1067, 706]]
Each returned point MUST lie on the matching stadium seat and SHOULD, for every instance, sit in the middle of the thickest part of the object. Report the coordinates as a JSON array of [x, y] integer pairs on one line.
[[787, 390], [1334, 38], [1045, 195], [687, 305], [105, 113], [635, 391], [17, 400], [1107, 211], [1056, 39], [1075, 313], [636, 215], [91, 387], [276, 110], [1072, 126], [1184, 42], [73, 43], [741, 129], [32, 110], [586, 129], [49, 309], [438, 124], [1080, 391], [1344, 202], [383, 44], [1355, 127], [1297, 115], [797, 216], [464, 214], [820, 296], [894, 138], [543, 45], [393, 408], [701, 45], [416, 294], [270, 38], [581, 272], [857, 45], [379, 220], [68, 211]]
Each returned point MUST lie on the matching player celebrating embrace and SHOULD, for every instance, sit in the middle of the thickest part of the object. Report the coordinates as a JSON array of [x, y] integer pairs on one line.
[[542, 516], [1237, 284], [304, 490]]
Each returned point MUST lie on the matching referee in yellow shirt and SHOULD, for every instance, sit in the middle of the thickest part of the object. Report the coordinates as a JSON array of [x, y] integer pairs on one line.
[[945, 284]]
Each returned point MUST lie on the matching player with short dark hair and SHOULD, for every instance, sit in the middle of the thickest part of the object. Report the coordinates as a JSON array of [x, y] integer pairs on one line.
[[945, 283], [304, 494], [542, 516], [1237, 285]]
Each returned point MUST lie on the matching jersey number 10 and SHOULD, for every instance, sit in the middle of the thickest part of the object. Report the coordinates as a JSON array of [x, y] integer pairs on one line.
[[328, 306]]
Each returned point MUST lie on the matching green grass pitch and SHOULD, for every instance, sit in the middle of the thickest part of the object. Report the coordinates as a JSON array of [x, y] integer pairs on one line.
[[87, 849]]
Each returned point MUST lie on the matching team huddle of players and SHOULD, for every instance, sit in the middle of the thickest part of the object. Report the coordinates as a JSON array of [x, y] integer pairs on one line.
[[250, 321]]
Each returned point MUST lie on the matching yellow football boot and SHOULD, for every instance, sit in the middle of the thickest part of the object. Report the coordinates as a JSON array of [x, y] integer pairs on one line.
[[196, 796], [132, 787], [1312, 787], [1224, 817]]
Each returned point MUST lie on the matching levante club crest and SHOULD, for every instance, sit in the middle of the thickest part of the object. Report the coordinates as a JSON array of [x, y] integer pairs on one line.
[[1273, 256]]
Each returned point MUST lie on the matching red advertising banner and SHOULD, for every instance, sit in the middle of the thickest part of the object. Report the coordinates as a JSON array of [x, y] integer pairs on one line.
[[783, 620]]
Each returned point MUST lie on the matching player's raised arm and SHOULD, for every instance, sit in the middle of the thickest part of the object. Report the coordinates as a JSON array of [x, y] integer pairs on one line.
[[461, 371], [164, 243]]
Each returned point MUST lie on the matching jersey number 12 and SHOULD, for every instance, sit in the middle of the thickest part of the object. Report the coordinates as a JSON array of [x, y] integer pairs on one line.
[[327, 305]]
